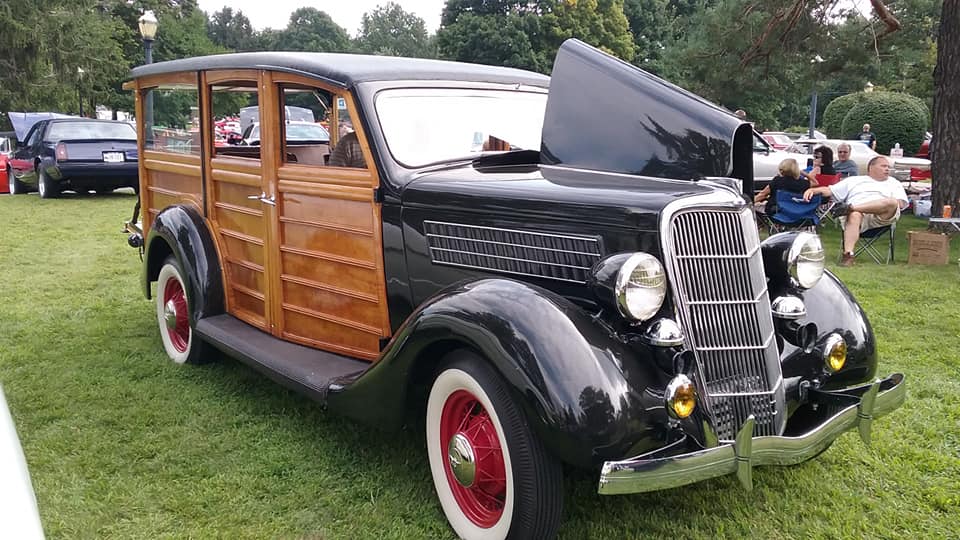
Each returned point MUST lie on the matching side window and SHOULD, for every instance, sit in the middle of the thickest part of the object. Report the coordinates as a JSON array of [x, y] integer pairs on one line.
[[306, 127], [34, 134], [347, 152], [172, 119], [236, 119]]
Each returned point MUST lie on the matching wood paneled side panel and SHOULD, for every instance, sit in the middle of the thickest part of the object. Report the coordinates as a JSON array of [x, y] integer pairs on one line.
[[311, 330], [242, 249], [248, 309], [178, 183], [351, 276], [237, 220], [353, 215], [246, 276], [238, 195], [335, 242], [309, 296]]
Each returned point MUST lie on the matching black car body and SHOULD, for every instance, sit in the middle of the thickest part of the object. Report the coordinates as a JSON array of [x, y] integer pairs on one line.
[[601, 299], [75, 154]]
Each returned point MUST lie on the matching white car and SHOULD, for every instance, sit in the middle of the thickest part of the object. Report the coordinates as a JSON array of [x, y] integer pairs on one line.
[[861, 154], [766, 161]]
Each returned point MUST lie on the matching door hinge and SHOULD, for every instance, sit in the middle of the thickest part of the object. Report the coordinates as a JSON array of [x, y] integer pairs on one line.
[[377, 195]]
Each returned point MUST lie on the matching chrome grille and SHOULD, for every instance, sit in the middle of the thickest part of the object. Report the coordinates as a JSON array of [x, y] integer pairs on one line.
[[551, 256], [720, 287]]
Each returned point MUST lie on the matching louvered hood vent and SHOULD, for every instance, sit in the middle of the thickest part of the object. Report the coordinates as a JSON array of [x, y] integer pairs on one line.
[[526, 253]]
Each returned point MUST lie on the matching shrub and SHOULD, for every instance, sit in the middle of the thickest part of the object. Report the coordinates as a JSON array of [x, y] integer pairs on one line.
[[893, 118], [836, 110]]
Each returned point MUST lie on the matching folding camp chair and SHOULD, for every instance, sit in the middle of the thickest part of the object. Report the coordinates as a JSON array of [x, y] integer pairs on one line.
[[823, 211], [868, 243], [794, 213]]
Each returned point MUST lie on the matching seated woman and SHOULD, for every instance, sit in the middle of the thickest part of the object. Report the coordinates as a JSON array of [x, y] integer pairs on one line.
[[822, 164], [788, 180]]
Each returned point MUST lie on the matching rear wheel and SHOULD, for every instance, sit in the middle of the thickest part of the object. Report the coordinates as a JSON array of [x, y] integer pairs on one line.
[[493, 477], [173, 314], [15, 186], [47, 187]]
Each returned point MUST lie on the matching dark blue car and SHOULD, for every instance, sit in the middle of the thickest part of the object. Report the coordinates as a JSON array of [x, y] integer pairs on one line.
[[75, 154]]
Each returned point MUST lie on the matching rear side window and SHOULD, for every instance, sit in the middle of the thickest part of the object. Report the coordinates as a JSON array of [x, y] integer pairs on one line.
[[90, 130]]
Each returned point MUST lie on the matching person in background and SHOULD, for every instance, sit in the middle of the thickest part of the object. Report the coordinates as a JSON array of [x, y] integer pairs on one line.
[[864, 202], [348, 153], [844, 165], [788, 180], [822, 164], [867, 137], [741, 114]]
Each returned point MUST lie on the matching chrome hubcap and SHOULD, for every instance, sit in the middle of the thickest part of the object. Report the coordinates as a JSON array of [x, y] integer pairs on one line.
[[170, 314], [462, 460]]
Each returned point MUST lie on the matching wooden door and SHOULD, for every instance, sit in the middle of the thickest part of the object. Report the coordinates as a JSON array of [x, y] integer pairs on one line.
[[332, 292], [238, 203]]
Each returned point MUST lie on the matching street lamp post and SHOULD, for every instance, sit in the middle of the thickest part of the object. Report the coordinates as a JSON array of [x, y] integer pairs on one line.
[[148, 30], [80, 73], [813, 97]]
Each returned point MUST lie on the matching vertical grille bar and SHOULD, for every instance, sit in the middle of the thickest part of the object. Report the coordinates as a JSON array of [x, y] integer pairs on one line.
[[720, 288]]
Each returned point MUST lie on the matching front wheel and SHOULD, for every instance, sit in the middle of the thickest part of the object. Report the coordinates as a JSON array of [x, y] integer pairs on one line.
[[173, 314], [493, 477], [15, 186]]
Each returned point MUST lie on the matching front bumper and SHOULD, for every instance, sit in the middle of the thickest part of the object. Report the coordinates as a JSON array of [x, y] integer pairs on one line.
[[849, 408]]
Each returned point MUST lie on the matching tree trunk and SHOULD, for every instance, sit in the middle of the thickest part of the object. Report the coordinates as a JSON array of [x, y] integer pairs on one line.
[[945, 146]]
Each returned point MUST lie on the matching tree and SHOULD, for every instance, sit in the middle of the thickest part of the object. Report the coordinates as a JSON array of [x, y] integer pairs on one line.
[[600, 23], [389, 30], [945, 146], [313, 30], [502, 40], [231, 30]]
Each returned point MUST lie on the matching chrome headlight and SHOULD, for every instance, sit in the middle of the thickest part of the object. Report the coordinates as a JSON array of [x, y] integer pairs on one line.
[[805, 260], [641, 286]]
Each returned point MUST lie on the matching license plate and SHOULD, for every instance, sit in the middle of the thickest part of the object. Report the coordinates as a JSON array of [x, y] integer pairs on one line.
[[113, 157]]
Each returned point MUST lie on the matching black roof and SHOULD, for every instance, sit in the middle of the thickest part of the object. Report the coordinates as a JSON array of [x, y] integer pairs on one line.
[[346, 70]]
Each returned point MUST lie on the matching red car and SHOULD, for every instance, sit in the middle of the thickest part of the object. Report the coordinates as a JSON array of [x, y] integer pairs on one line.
[[924, 151], [778, 140], [8, 141]]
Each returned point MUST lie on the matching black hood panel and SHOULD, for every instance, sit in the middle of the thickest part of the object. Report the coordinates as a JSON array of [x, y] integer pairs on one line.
[[605, 114]]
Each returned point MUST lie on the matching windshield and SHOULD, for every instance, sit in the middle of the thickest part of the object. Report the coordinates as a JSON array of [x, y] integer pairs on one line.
[[90, 130], [432, 125]]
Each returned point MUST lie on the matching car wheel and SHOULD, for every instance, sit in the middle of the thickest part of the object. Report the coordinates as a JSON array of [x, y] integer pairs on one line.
[[15, 186], [173, 315], [493, 477], [48, 188]]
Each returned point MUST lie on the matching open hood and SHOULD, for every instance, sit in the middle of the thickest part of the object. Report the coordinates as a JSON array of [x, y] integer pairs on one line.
[[23, 121], [605, 114]]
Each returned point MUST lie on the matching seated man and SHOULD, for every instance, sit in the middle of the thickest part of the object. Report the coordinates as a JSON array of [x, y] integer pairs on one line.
[[844, 165], [348, 153], [867, 202]]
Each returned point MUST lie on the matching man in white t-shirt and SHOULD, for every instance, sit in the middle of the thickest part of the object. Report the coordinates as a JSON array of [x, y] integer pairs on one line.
[[867, 202]]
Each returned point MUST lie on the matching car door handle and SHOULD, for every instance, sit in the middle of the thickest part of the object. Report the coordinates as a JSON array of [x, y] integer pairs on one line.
[[263, 198]]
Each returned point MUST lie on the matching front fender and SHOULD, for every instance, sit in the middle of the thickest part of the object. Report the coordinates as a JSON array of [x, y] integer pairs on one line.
[[833, 308], [583, 391], [181, 230]]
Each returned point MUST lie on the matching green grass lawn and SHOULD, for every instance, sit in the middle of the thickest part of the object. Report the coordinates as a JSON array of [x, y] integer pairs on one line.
[[122, 443]]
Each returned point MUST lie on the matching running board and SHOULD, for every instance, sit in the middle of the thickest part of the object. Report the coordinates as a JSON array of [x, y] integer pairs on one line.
[[305, 370]]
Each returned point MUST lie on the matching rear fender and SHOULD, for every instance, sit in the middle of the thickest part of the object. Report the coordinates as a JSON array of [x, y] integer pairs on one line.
[[181, 231], [583, 390]]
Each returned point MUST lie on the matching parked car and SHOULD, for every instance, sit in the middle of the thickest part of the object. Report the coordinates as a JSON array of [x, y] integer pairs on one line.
[[77, 154], [8, 141], [18, 504], [588, 287], [766, 161], [777, 139], [924, 151], [300, 132], [862, 154]]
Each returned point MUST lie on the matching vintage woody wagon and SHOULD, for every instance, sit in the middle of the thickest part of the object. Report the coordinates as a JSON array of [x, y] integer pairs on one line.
[[549, 270]]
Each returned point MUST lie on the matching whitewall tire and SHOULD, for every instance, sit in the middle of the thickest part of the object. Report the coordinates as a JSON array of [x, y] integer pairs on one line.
[[173, 315], [492, 476]]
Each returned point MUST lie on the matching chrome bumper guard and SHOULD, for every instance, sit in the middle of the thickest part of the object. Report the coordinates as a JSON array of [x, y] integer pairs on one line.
[[858, 406]]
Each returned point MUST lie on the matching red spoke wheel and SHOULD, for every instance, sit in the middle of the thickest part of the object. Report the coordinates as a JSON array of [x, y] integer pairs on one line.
[[493, 478], [173, 315]]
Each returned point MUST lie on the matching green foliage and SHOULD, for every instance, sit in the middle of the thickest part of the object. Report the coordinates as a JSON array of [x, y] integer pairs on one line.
[[231, 30], [503, 40], [312, 30], [832, 118], [389, 30], [893, 118], [600, 23]]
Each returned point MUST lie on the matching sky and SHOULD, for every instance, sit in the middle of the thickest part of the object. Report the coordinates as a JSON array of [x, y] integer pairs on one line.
[[347, 13]]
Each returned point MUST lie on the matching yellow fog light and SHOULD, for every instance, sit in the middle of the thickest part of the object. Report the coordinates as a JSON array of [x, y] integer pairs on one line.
[[835, 352], [681, 397]]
